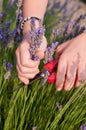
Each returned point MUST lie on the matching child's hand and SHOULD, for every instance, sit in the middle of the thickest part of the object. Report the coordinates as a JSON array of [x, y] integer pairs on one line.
[[27, 68], [72, 63]]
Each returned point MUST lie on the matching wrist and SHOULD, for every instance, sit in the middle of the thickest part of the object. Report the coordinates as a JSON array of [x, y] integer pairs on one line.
[[30, 22], [34, 35], [32, 27], [27, 27]]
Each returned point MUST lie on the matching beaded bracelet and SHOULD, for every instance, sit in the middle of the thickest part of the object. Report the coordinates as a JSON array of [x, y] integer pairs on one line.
[[26, 19]]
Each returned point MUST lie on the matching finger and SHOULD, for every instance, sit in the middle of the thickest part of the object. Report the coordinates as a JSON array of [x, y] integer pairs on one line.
[[61, 47], [25, 59], [27, 75], [70, 76], [40, 54], [61, 72], [26, 66], [81, 74], [41, 50], [24, 69], [24, 80]]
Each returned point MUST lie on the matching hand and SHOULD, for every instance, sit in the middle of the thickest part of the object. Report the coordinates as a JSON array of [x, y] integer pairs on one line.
[[72, 63], [27, 68]]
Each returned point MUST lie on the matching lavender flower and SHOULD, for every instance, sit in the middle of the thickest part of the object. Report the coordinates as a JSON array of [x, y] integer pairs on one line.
[[49, 52], [59, 105], [10, 4], [63, 33], [70, 30], [7, 36], [1, 17], [7, 65], [83, 127], [36, 36]]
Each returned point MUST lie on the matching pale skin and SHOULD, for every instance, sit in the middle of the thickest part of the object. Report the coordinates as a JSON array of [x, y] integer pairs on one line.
[[27, 68], [72, 54], [72, 63]]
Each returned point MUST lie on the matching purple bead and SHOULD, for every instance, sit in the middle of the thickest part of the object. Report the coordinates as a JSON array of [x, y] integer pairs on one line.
[[32, 21]]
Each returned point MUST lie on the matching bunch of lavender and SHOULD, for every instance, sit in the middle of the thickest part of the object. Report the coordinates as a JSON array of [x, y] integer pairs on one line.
[[36, 36], [62, 33], [49, 52]]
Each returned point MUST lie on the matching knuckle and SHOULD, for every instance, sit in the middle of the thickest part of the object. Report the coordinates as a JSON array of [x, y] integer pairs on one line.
[[22, 70], [59, 80], [32, 76], [69, 78], [67, 89], [20, 73], [64, 56], [24, 63]]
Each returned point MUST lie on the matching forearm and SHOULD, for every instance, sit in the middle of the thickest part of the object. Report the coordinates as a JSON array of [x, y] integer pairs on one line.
[[35, 9]]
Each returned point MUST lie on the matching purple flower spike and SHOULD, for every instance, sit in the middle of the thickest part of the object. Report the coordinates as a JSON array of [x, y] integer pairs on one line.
[[1, 37], [35, 58], [1, 15], [83, 127], [54, 45], [48, 49], [31, 34], [8, 23], [9, 66], [59, 105], [50, 52], [32, 21]]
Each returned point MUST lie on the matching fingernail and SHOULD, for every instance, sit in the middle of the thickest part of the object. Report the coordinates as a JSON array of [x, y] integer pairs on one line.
[[58, 88], [69, 87], [77, 84], [26, 82]]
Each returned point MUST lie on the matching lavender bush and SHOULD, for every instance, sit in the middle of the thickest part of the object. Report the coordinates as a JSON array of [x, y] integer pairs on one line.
[[35, 108]]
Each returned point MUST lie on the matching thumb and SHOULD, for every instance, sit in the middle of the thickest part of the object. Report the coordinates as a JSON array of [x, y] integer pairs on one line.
[[41, 50], [61, 48]]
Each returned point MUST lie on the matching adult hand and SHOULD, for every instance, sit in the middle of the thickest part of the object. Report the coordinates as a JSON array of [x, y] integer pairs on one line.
[[27, 68], [72, 63]]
